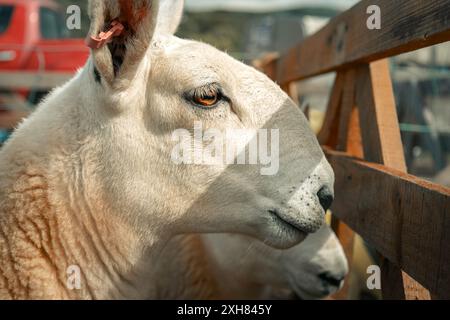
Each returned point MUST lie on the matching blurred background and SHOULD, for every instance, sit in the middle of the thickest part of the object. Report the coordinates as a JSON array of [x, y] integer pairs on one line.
[[38, 52]]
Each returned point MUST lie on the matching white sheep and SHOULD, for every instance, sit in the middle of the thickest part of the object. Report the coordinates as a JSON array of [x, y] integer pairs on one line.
[[231, 266], [89, 191]]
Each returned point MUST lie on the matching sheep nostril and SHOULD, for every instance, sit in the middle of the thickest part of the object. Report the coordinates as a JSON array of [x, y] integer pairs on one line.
[[331, 279], [326, 198]]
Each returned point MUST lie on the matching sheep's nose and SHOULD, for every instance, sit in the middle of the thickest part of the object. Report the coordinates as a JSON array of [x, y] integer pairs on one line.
[[330, 279], [325, 197]]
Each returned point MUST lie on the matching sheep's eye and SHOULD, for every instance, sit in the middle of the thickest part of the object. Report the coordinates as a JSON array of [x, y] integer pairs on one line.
[[207, 97], [206, 100]]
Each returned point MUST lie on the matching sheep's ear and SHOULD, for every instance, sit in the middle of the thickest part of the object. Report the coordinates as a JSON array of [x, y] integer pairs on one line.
[[128, 26], [169, 17]]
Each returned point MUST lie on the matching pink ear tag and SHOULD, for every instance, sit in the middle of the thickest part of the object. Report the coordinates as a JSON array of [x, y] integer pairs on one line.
[[105, 37]]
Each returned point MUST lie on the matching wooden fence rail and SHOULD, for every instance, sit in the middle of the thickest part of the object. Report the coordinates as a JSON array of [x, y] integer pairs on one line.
[[13, 106], [34, 80], [405, 218], [346, 40]]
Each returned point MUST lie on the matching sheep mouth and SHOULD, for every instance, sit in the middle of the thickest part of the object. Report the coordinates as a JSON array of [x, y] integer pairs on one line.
[[286, 224]]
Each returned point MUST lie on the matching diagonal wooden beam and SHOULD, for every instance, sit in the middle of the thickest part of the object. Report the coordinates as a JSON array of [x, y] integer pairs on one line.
[[407, 219], [330, 128], [378, 116], [346, 40], [335, 133], [382, 144]]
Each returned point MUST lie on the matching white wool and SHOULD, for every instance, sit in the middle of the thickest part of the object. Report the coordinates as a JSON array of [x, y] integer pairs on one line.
[[87, 179]]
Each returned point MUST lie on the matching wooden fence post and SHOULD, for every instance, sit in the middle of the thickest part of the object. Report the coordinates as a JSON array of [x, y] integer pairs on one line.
[[404, 217], [382, 144]]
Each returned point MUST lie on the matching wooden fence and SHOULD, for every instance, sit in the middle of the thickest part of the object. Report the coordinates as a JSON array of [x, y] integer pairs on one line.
[[405, 218], [13, 106]]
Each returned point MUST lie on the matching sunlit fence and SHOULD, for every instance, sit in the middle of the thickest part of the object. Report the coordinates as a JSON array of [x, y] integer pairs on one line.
[[405, 218]]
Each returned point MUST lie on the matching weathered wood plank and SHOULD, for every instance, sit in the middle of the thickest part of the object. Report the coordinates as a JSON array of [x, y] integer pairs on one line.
[[382, 144], [407, 219], [346, 40], [346, 237], [354, 139], [34, 80], [329, 133], [266, 65], [334, 133], [378, 116], [292, 92], [347, 106]]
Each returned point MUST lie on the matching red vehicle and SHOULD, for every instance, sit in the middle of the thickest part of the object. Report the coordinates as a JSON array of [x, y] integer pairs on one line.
[[34, 37]]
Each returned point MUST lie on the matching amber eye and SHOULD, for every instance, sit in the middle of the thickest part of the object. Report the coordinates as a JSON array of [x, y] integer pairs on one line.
[[206, 99]]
